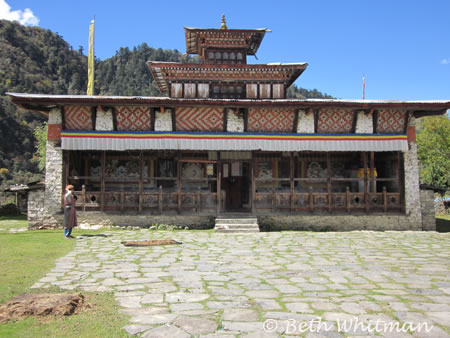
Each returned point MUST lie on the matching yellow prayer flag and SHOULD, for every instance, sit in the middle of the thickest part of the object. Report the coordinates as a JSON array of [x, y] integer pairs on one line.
[[90, 88]]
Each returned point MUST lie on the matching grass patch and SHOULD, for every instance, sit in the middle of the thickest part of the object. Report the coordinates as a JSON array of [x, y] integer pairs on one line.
[[24, 259], [11, 222]]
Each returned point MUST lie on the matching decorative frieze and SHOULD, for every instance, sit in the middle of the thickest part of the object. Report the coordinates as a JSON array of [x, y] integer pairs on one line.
[[271, 120], [391, 121], [133, 118], [335, 121], [199, 119], [78, 118]]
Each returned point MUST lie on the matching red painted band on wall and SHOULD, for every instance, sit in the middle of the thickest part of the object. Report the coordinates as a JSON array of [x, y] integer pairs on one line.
[[54, 132], [411, 134]]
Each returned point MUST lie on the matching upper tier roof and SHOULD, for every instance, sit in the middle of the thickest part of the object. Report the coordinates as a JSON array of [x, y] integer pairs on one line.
[[248, 39], [164, 72]]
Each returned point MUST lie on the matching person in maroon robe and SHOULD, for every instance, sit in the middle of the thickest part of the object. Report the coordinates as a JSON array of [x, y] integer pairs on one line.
[[70, 213]]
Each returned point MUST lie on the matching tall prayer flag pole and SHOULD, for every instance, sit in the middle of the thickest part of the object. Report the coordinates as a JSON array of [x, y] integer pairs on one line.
[[90, 88], [364, 87]]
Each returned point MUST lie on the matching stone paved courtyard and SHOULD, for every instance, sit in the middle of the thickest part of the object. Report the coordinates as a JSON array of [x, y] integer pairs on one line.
[[269, 284]]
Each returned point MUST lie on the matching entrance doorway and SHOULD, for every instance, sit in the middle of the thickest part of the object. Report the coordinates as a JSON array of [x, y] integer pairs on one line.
[[236, 184]]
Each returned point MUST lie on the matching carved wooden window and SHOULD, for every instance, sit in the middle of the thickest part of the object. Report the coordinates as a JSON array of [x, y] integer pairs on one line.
[[227, 91]]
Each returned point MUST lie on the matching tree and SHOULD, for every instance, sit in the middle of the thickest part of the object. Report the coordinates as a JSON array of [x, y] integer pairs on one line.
[[433, 145], [40, 133]]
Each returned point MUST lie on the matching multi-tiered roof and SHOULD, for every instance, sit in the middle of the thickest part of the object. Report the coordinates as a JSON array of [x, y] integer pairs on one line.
[[225, 73]]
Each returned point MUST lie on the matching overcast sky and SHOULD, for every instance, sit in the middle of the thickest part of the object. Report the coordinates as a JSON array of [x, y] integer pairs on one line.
[[402, 47]]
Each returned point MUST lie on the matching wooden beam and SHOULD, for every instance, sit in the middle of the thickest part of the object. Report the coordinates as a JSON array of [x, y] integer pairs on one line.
[[114, 118], [225, 119], [63, 118], [245, 115], [295, 126], [375, 121], [94, 117], [152, 118], [316, 119], [355, 119]]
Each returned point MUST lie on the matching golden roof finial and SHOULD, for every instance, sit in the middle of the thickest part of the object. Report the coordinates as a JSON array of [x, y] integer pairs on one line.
[[224, 23]]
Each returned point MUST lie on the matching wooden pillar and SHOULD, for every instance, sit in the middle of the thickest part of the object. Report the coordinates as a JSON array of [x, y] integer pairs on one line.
[[384, 199], [102, 178], [347, 199], [366, 199], [400, 180], [291, 178], [372, 172], [253, 183], [198, 200], [141, 169], [179, 182], [273, 198], [83, 196], [122, 198], [160, 200], [311, 199], [218, 184], [329, 183]]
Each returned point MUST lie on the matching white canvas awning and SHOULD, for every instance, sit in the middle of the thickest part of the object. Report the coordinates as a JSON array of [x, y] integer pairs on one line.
[[120, 141]]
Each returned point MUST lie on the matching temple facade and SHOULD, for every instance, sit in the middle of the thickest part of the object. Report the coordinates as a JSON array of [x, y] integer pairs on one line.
[[226, 139]]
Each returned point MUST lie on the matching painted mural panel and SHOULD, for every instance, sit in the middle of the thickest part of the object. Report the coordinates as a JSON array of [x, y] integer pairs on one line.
[[390, 121], [133, 118], [78, 118], [271, 120], [335, 121], [199, 119]]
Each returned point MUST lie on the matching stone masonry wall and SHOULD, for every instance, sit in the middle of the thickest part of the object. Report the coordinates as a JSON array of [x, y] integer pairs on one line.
[[36, 208], [305, 122], [428, 211], [163, 121], [364, 123], [53, 177], [104, 120], [235, 124], [338, 223]]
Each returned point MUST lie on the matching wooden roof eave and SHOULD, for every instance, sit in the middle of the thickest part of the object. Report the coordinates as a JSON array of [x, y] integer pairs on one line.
[[43, 103]]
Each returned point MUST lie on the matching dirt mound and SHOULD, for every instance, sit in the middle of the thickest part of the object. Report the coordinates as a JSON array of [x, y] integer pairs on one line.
[[153, 242], [41, 305]]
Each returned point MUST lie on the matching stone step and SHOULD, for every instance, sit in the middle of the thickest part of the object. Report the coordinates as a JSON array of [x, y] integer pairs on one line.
[[237, 221], [237, 230], [236, 224]]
